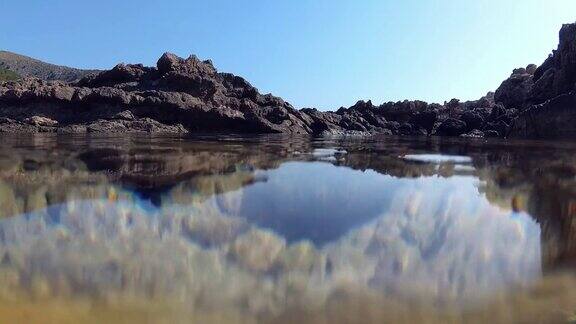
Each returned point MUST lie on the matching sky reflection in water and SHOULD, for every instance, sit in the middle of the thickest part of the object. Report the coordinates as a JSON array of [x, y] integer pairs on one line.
[[220, 229], [288, 235]]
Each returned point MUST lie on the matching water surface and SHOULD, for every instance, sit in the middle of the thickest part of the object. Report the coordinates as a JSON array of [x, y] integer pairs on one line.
[[272, 229]]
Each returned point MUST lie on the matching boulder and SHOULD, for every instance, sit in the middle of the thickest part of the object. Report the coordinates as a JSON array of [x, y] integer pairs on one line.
[[451, 127], [121, 73], [473, 120], [475, 133], [515, 90], [41, 121], [424, 120]]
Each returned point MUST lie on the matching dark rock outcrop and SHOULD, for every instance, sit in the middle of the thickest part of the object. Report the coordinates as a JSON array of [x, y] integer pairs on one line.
[[189, 95], [515, 91], [179, 95], [553, 119], [557, 75], [549, 104], [473, 120], [425, 120], [452, 127]]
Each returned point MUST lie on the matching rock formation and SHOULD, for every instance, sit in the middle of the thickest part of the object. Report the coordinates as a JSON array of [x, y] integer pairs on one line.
[[189, 95], [178, 96], [551, 99]]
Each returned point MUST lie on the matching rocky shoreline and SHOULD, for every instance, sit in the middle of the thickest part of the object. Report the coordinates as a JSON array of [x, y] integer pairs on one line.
[[181, 96]]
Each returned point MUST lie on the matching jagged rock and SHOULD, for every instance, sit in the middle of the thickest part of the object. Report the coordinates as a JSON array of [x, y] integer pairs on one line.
[[144, 125], [475, 133], [424, 120], [542, 93], [491, 133], [549, 114], [186, 92], [322, 122], [169, 62], [497, 112], [189, 95], [554, 119], [531, 69], [514, 91], [499, 126], [472, 119], [40, 121], [124, 115], [121, 73], [451, 127], [405, 129], [557, 75]]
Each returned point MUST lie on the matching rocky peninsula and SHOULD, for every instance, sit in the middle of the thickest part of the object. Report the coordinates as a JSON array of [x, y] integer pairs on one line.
[[190, 96]]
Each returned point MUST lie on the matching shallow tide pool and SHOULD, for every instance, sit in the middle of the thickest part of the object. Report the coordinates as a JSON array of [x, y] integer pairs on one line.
[[270, 229]]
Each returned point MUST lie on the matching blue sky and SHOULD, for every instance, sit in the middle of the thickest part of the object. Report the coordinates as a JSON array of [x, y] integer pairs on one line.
[[313, 53]]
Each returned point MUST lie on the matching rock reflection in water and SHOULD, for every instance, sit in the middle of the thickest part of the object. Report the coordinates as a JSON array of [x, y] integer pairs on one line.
[[289, 230]]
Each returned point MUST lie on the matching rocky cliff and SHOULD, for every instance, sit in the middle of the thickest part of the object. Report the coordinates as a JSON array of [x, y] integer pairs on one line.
[[549, 95], [189, 95], [179, 95]]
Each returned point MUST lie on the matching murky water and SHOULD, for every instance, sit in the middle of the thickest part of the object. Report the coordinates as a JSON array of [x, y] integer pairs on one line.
[[282, 230]]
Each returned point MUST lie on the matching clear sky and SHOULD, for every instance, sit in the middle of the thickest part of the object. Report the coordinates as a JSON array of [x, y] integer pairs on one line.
[[313, 53]]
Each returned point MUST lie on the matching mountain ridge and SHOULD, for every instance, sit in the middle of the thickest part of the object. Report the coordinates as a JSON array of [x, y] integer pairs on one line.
[[26, 66]]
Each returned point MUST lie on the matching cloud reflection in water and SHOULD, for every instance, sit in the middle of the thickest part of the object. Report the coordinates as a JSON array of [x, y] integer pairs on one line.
[[294, 237]]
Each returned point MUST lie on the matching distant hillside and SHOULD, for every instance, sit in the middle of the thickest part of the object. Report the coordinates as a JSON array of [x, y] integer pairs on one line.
[[7, 75], [24, 66]]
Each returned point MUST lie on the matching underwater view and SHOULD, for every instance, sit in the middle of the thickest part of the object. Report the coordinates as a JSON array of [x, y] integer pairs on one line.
[[271, 229], [288, 162]]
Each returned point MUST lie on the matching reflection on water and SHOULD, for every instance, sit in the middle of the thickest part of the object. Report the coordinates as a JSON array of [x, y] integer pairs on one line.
[[437, 158], [282, 230]]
